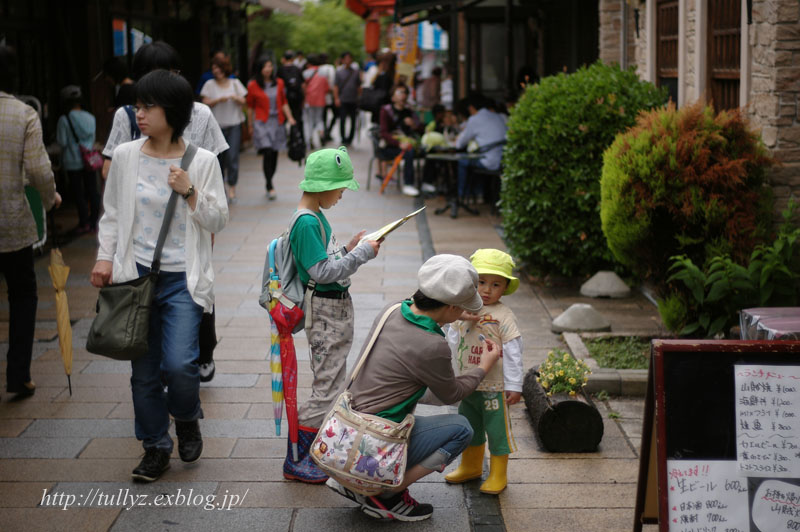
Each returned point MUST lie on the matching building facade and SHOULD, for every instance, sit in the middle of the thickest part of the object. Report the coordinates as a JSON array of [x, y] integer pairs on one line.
[[733, 53]]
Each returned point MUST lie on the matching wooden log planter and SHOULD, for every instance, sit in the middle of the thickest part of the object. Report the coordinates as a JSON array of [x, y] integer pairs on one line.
[[563, 423]]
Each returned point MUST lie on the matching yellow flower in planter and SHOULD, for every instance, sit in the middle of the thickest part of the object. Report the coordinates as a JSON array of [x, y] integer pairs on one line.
[[560, 373]]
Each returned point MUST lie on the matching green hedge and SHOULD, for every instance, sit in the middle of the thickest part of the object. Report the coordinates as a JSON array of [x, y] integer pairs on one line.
[[685, 182], [557, 133]]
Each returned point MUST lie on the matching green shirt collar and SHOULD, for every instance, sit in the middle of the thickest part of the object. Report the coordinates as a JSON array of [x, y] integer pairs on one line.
[[423, 322]]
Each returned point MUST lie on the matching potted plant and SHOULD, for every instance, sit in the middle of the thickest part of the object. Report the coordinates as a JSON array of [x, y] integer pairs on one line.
[[563, 416]]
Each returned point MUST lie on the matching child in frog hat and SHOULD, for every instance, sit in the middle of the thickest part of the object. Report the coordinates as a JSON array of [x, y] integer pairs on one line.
[[325, 268], [487, 407]]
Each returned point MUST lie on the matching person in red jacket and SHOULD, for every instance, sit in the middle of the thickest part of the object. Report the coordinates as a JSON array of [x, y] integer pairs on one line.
[[267, 111]]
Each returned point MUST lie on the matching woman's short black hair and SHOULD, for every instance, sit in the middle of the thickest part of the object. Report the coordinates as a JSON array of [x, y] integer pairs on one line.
[[258, 76], [424, 302], [171, 92], [8, 69], [153, 56]]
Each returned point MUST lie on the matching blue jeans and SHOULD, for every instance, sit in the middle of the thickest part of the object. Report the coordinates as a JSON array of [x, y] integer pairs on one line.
[[437, 440], [173, 348], [463, 171], [229, 159], [390, 152]]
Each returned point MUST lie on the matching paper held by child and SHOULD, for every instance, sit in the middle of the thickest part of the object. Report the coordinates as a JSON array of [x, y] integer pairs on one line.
[[388, 228]]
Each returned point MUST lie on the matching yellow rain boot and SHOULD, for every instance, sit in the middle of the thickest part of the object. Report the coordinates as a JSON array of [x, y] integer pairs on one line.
[[471, 465], [496, 483]]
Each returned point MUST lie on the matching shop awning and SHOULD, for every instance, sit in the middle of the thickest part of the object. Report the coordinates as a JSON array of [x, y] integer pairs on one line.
[[363, 8], [285, 6], [433, 9]]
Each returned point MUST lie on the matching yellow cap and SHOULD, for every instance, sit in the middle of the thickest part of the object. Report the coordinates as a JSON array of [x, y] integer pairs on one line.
[[496, 262]]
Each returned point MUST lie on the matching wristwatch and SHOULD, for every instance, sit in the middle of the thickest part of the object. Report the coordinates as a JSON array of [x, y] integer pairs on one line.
[[189, 192]]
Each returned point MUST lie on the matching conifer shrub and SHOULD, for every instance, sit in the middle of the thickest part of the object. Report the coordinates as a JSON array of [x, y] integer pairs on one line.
[[557, 133], [684, 182]]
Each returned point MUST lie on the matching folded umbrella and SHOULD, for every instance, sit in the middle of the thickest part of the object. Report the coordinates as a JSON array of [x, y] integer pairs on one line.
[[285, 318], [59, 272]]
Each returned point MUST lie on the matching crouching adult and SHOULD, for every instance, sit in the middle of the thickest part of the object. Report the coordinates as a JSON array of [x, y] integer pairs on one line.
[[410, 356]]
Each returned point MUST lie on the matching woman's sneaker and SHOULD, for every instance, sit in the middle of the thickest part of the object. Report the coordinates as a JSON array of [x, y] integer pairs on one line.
[[401, 506], [154, 463], [346, 492]]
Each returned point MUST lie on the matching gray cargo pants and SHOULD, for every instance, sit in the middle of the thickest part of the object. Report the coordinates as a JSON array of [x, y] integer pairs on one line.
[[329, 341]]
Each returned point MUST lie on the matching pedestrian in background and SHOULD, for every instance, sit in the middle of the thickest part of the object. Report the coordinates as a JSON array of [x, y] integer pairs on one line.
[[21, 151], [346, 91], [267, 111], [226, 96], [142, 176], [202, 130], [76, 128], [316, 88]]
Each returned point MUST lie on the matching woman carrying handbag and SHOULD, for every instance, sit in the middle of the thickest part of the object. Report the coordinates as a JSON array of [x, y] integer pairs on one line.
[[142, 176]]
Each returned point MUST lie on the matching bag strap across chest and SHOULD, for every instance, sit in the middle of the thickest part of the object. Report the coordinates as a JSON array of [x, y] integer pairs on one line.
[[186, 160]]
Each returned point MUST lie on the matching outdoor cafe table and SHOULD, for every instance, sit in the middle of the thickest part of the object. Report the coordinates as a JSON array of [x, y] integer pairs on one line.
[[452, 158], [770, 323]]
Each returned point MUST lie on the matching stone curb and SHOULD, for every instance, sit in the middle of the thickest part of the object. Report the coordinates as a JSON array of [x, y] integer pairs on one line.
[[632, 382]]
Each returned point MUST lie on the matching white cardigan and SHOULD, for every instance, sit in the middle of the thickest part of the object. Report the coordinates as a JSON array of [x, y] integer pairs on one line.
[[209, 216]]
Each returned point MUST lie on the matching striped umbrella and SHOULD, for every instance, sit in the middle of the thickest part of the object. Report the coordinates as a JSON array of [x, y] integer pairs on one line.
[[277, 375]]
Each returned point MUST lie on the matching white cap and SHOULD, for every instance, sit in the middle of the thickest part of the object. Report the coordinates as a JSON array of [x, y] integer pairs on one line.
[[451, 280]]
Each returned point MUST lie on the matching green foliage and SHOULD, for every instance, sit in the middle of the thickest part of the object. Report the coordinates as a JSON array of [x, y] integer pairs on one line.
[[684, 182], [552, 161], [712, 297], [620, 352], [326, 26]]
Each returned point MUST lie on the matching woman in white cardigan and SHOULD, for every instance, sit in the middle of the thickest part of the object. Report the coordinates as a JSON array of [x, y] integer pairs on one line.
[[142, 176]]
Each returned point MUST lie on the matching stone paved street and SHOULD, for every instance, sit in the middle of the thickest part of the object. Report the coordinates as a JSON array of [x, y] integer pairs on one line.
[[83, 444]]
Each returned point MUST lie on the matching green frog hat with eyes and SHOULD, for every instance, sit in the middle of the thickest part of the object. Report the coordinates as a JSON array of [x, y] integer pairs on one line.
[[328, 169]]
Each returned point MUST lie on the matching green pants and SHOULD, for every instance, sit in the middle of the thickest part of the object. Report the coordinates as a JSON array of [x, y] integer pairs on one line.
[[487, 413]]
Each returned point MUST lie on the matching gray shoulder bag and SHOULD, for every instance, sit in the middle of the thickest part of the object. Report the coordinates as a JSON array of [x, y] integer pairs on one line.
[[119, 330]]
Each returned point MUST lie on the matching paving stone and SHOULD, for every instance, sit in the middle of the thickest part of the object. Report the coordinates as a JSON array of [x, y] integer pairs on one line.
[[11, 428], [108, 367], [200, 520], [569, 470], [228, 380], [132, 448], [600, 496], [22, 494], [260, 447], [352, 519], [79, 428], [41, 447], [43, 519], [237, 428], [568, 519]]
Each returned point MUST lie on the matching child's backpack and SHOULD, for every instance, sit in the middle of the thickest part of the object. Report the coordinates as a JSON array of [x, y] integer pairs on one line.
[[281, 280]]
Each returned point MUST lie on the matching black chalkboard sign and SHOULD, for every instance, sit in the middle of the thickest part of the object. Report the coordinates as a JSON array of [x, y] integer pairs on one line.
[[721, 436]]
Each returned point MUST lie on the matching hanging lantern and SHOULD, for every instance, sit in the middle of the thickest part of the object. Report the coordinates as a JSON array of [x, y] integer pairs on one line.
[[372, 35]]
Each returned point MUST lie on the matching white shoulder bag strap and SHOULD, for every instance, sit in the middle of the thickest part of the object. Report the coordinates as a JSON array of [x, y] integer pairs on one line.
[[372, 342]]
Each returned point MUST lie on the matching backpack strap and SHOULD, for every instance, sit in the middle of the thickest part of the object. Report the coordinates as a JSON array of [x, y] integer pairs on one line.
[[135, 132], [311, 282]]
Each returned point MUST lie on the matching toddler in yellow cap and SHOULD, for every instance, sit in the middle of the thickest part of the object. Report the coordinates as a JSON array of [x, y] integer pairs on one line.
[[487, 407]]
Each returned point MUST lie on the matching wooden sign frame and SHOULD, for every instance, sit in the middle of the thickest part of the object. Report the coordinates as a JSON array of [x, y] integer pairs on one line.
[[655, 431]]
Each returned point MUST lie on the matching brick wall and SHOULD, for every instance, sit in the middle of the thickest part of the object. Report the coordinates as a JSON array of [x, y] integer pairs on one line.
[[610, 41], [775, 89]]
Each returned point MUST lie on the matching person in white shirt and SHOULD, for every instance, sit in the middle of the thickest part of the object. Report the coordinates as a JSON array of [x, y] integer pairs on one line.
[[226, 96], [488, 130], [202, 130], [142, 176]]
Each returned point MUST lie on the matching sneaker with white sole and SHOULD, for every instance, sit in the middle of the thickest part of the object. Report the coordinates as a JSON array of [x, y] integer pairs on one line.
[[428, 188], [346, 492], [207, 371], [408, 190], [400, 506]]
